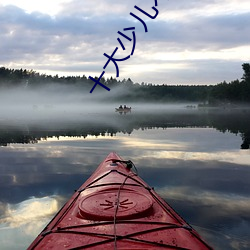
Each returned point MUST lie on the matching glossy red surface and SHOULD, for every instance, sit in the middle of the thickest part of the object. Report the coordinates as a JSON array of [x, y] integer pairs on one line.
[[116, 209]]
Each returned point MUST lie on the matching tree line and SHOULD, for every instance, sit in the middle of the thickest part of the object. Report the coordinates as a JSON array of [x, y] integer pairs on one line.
[[236, 91], [235, 122]]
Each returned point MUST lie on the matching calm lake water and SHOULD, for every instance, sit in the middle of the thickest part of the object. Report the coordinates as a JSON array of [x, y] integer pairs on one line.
[[197, 160]]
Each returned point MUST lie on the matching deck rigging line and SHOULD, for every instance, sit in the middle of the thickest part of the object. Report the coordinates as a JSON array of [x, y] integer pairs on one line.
[[130, 174], [115, 237]]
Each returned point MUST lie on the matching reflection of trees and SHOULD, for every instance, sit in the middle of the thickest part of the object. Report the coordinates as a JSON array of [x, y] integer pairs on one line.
[[246, 141], [16, 137], [234, 121]]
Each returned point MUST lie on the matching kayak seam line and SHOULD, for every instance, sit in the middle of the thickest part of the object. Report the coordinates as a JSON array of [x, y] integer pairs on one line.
[[52, 227], [44, 233], [166, 208], [173, 212]]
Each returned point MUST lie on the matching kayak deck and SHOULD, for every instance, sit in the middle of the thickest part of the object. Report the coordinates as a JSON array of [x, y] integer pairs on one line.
[[116, 209]]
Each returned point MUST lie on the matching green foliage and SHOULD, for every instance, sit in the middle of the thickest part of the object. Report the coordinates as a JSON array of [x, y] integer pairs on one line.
[[246, 75], [234, 92], [222, 93], [31, 79]]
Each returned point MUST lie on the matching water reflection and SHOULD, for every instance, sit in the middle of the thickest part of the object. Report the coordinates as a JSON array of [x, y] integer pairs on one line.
[[195, 166], [31, 210], [110, 123], [20, 222]]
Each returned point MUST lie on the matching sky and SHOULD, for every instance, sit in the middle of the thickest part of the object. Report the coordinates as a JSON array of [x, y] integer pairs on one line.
[[189, 42]]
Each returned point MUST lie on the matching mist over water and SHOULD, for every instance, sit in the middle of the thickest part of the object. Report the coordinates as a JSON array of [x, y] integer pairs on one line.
[[59, 102], [49, 102], [56, 110], [52, 138]]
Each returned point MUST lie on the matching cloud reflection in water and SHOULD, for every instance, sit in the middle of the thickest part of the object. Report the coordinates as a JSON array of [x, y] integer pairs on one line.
[[21, 222], [198, 171]]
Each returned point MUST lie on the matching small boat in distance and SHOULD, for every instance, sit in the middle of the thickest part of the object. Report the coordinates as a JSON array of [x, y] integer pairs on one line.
[[116, 209], [124, 109]]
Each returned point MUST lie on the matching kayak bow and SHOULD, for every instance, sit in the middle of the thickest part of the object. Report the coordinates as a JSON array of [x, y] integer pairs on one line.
[[116, 209]]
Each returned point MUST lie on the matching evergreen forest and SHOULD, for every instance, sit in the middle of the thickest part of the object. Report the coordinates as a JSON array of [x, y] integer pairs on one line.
[[224, 93]]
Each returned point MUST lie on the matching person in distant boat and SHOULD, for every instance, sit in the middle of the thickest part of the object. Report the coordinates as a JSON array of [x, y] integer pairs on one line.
[[125, 106], [120, 107]]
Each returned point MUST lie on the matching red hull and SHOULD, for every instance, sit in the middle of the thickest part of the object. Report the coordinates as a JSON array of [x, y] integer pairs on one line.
[[115, 209]]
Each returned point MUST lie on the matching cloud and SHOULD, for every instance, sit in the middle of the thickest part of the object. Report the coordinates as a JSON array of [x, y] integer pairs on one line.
[[29, 211], [73, 41], [26, 220]]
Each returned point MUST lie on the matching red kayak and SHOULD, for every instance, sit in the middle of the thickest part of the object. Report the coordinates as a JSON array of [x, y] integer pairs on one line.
[[116, 209]]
